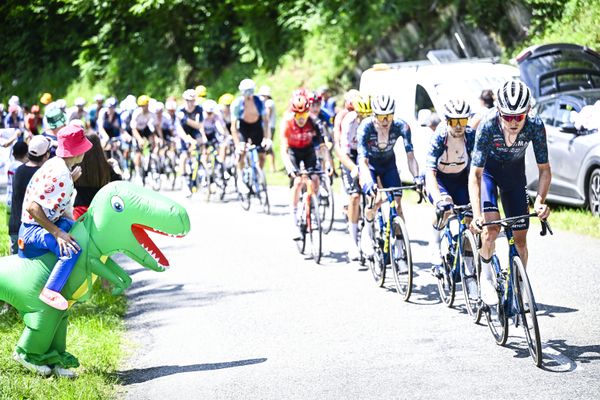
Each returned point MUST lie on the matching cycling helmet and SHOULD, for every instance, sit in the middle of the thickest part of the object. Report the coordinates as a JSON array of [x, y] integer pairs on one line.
[[314, 98], [111, 102], [35, 108], [158, 106], [143, 100], [514, 97], [189, 94], [99, 97], [80, 102], [362, 104], [14, 100], [61, 103], [226, 99], [383, 104], [171, 105], [201, 91], [299, 104], [46, 99], [210, 106], [247, 84], [456, 108], [264, 91]]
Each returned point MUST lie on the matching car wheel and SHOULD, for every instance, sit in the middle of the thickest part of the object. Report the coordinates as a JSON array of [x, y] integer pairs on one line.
[[594, 192]]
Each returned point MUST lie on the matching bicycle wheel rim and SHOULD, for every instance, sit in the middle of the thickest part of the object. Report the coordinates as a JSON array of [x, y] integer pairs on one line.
[[471, 299], [496, 317], [527, 307], [401, 260], [377, 260], [314, 230]]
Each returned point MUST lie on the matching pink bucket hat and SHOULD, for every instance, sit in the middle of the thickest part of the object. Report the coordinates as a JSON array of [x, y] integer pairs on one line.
[[72, 142]]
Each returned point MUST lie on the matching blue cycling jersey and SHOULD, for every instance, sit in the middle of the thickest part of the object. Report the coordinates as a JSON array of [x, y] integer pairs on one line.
[[438, 145], [182, 115], [489, 142], [326, 117], [368, 147]]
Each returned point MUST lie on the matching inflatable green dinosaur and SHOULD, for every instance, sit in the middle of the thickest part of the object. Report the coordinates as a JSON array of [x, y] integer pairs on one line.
[[116, 222]]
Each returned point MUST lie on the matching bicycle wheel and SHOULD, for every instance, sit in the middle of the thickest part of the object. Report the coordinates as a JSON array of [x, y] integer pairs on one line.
[[155, 168], [401, 258], [495, 315], [313, 229], [326, 204], [377, 260], [262, 195], [445, 283], [468, 274], [301, 243], [527, 308]]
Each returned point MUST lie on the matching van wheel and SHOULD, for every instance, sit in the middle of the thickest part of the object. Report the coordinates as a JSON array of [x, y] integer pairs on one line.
[[594, 192]]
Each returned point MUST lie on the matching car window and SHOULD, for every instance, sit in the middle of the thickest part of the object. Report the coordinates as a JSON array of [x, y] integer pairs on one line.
[[422, 100], [564, 114], [546, 112]]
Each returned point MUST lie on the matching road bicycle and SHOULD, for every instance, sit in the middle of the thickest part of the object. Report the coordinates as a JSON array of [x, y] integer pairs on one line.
[[326, 203], [515, 296], [309, 221], [459, 255], [255, 181], [391, 243]]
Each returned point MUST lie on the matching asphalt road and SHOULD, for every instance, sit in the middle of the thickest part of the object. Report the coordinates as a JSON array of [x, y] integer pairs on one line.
[[242, 315]]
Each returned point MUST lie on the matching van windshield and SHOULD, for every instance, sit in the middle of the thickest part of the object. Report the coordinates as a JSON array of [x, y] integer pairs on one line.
[[468, 89]]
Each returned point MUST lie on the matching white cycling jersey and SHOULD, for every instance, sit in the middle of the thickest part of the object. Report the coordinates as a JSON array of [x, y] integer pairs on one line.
[[348, 138], [140, 120]]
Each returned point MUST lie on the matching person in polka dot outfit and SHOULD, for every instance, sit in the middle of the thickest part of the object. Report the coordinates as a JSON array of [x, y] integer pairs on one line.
[[47, 215]]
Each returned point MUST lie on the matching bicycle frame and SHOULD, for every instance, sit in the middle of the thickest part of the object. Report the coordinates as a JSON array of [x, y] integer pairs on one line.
[[454, 240]]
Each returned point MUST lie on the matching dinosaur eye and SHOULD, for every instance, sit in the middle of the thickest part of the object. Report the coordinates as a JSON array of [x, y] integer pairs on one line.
[[117, 204]]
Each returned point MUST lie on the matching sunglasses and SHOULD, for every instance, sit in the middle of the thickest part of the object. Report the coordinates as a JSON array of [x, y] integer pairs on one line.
[[510, 118], [454, 122], [303, 115], [364, 115], [384, 117]]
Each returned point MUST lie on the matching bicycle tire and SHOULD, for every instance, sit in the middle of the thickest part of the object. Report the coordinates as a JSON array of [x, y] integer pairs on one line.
[[314, 230], [446, 284], [401, 259], [471, 299], [326, 205], [496, 315], [377, 260], [301, 243], [527, 307]]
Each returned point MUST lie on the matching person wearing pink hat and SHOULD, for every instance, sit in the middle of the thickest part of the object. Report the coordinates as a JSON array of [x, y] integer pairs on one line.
[[47, 215]]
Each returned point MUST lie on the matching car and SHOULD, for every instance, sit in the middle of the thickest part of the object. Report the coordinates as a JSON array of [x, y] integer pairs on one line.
[[565, 78], [422, 87]]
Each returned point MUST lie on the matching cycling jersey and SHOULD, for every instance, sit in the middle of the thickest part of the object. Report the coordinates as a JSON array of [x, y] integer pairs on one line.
[[112, 125], [367, 141], [438, 148], [325, 117], [195, 115], [210, 126], [489, 142], [143, 121], [168, 126], [93, 116], [237, 107], [349, 128], [302, 137]]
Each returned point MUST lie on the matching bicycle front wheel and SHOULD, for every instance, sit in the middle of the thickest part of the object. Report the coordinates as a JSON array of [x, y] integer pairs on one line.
[[301, 241], [401, 258], [377, 259], [445, 283], [527, 308], [326, 204], [468, 274], [313, 229], [496, 315]]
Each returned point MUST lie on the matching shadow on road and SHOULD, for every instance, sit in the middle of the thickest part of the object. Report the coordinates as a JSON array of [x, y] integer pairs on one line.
[[133, 376], [547, 310]]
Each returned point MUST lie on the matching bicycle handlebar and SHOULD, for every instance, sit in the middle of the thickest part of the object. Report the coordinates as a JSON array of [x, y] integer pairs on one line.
[[416, 187], [510, 221]]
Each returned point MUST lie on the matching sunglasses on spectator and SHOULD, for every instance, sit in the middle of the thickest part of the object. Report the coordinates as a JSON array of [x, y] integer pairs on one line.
[[454, 122], [303, 115], [510, 118], [384, 117]]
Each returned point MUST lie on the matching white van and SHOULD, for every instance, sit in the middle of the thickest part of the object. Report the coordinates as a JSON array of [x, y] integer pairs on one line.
[[426, 85]]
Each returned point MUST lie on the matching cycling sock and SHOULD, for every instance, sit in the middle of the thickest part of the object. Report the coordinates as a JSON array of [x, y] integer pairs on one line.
[[295, 214], [486, 268], [354, 232], [434, 246]]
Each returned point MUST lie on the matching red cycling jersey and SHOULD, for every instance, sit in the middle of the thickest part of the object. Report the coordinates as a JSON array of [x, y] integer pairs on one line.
[[299, 137]]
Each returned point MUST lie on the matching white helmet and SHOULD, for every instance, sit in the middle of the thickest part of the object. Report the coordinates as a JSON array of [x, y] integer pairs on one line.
[[111, 102], [247, 84], [61, 103], [189, 94], [171, 105], [80, 102], [514, 97], [264, 91], [383, 104], [99, 97], [210, 106], [456, 108], [157, 106]]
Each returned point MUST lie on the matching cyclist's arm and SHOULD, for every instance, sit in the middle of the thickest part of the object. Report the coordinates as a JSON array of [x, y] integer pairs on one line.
[[265, 124], [475, 191], [545, 177]]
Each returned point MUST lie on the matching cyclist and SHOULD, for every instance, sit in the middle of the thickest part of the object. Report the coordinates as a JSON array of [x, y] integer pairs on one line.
[[93, 112], [143, 127], [225, 106], [299, 134], [377, 136], [447, 173], [498, 162], [189, 126], [321, 117], [249, 123], [328, 102], [15, 121], [200, 94], [78, 112], [214, 128], [265, 95], [346, 148]]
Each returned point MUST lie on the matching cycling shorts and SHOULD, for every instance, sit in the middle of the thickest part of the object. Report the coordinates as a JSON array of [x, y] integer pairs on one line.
[[454, 185], [252, 132], [146, 132], [350, 184], [510, 179], [303, 155], [388, 173]]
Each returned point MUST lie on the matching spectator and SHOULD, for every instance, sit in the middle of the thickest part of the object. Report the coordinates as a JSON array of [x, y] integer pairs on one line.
[[55, 119], [33, 120], [19, 156], [37, 154], [486, 103], [14, 120], [97, 172]]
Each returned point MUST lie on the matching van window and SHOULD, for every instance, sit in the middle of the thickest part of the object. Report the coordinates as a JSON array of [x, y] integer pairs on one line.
[[422, 100]]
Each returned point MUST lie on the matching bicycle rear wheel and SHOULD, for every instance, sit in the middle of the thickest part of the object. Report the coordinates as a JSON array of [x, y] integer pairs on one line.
[[468, 274], [377, 260], [313, 230], [445, 283], [401, 258], [496, 315], [326, 204], [527, 308]]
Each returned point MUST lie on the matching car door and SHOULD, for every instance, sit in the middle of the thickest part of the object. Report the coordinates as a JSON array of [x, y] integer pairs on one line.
[[545, 110]]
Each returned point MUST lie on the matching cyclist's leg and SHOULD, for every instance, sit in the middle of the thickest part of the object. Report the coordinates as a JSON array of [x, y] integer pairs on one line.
[[489, 205], [351, 188], [437, 226], [391, 178], [515, 202]]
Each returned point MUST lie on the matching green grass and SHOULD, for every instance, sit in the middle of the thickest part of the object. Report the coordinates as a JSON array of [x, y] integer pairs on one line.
[[576, 220]]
